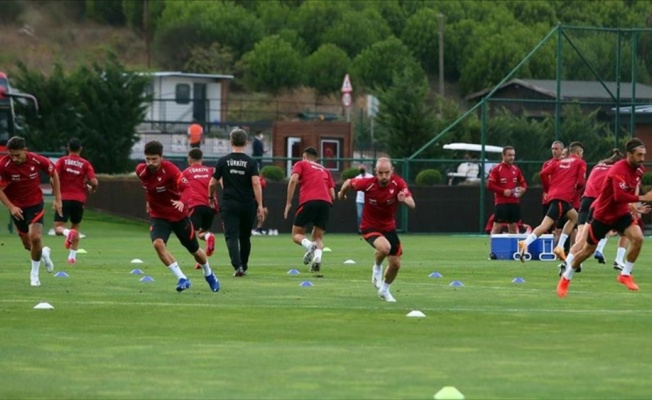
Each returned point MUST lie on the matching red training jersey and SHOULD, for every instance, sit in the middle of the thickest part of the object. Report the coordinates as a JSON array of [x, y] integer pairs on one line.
[[161, 187], [194, 185], [73, 172], [618, 190], [22, 182], [596, 179], [505, 176], [379, 202], [315, 181], [545, 182], [567, 177]]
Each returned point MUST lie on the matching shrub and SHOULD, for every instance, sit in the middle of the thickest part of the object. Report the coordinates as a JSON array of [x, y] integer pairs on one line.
[[350, 173], [273, 173], [429, 177], [647, 179]]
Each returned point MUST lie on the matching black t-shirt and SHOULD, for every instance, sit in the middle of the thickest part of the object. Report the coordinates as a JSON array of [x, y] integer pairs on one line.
[[236, 170], [258, 148]]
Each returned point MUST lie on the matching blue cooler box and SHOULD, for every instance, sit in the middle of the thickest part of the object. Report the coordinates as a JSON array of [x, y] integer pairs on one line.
[[505, 247]]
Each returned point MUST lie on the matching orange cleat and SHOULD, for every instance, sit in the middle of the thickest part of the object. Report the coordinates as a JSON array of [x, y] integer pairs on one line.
[[560, 253], [69, 239], [562, 287], [71, 261], [628, 281], [522, 248], [210, 245], [198, 266]]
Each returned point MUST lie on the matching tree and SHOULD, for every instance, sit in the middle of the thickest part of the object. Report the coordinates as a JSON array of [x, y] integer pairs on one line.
[[356, 30], [407, 120], [314, 18], [375, 66], [421, 36], [325, 69], [106, 11], [208, 60], [273, 66], [111, 102]]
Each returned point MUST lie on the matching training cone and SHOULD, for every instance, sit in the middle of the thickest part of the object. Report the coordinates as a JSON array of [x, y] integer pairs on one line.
[[294, 272], [416, 314], [518, 280], [51, 232], [136, 261], [435, 275], [61, 274], [306, 284], [327, 249], [448, 393], [456, 284], [147, 278], [43, 306], [349, 262], [136, 271], [81, 251]]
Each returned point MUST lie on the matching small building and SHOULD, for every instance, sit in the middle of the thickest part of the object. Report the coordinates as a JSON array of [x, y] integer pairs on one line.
[[535, 97], [178, 98]]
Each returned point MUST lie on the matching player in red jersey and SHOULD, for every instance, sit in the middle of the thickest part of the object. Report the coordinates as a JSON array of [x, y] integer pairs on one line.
[[556, 149], [316, 195], [160, 179], [77, 177], [383, 192], [194, 185], [21, 193], [508, 184], [613, 210], [567, 176]]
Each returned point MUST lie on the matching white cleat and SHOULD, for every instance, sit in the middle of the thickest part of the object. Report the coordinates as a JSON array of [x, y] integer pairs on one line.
[[45, 257], [309, 254], [387, 296], [376, 277], [33, 280]]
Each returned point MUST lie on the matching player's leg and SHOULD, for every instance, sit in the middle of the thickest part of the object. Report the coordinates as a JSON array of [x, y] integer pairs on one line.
[[320, 222], [247, 220], [304, 216], [634, 235], [159, 233], [184, 231], [393, 266], [229, 213], [382, 249]]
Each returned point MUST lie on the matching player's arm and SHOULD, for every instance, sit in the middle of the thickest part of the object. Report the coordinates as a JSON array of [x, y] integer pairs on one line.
[[56, 191], [406, 198], [212, 188], [258, 194], [91, 180], [292, 185], [16, 212], [345, 188]]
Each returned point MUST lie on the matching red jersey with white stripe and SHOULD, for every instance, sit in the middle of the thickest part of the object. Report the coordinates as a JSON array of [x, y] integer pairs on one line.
[[505, 176], [194, 185], [618, 190], [315, 181], [545, 182], [596, 179], [161, 187], [21, 183], [567, 178], [73, 172], [380, 202]]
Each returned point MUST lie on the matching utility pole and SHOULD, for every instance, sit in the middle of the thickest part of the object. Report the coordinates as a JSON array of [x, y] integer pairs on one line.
[[440, 16]]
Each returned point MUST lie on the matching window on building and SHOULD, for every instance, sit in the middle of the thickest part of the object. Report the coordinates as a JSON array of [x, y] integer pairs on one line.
[[182, 93]]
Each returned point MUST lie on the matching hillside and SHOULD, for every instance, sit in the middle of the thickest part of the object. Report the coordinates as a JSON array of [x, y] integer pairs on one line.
[[44, 35]]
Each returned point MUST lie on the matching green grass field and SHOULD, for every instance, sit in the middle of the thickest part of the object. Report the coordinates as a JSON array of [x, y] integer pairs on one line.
[[266, 336]]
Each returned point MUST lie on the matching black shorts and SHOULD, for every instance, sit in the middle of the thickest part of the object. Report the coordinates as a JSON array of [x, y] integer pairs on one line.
[[370, 235], [315, 212], [161, 229], [599, 230], [202, 217], [31, 215], [558, 209], [71, 209], [507, 213], [585, 207]]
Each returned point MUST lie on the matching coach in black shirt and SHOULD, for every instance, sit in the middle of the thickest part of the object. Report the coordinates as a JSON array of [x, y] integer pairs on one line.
[[242, 199]]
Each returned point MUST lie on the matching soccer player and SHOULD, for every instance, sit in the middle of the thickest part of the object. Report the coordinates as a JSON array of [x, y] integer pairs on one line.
[[77, 176], [508, 184], [242, 199], [567, 176], [612, 210], [167, 213], [316, 195], [194, 185], [556, 149], [21, 193], [382, 195]]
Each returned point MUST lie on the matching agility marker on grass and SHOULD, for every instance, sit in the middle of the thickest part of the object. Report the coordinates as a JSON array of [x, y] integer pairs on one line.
[[43, 306], [456, 284], [435, 275], [136, 271], [61, 274], [294, 272], [518, 280], [136, 261], [147, 278], [449, 393], [306, 284], [416, 314]]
